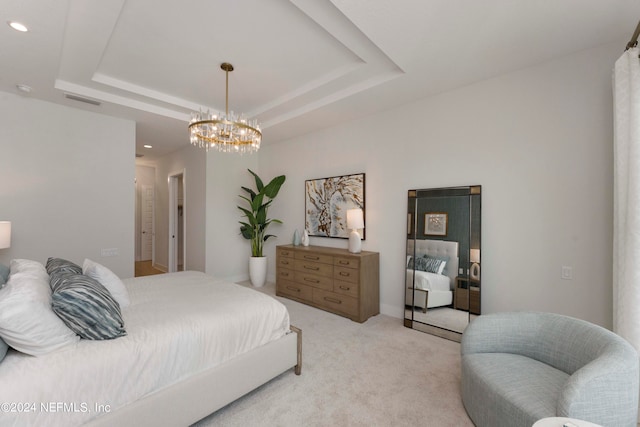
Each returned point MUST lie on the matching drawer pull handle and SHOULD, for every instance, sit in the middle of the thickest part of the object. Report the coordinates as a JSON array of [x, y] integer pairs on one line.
[[314, 258], [293, 289], [342, 273], [344, 262], [283, 274], [306, 279], [345, 288], [333, 300], [284, 262], [311, 268], [285, 253]]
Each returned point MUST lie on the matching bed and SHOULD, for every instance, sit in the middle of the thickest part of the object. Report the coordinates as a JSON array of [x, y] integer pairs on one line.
[[193, 344], [425, 289]]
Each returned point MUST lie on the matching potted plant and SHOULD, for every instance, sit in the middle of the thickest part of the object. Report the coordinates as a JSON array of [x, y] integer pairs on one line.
[[255, 227]]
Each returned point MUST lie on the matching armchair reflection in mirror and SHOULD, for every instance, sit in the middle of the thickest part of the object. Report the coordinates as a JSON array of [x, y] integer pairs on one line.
[[442, 278]]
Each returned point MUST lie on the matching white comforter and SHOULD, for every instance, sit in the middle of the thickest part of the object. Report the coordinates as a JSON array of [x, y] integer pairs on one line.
[[428, 281], [178, 324]]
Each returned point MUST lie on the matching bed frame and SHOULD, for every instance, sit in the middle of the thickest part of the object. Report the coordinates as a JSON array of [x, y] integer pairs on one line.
[[194, 398], [442, 248]]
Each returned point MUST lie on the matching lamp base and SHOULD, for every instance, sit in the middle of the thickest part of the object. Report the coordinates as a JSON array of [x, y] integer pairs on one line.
[[355, 242], [475, 271]]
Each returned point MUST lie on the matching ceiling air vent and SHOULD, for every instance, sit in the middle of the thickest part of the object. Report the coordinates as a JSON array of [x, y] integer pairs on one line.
[[81, 99]]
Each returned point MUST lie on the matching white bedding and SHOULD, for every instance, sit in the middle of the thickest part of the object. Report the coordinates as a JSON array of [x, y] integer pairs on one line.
[[177, 324], [428, 281]]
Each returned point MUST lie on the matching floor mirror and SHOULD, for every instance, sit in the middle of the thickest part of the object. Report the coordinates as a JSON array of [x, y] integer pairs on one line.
[[443, 286]]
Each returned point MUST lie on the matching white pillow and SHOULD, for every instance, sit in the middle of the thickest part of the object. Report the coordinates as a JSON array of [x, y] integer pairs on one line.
[[27, 321], [108, 279], [26, 266]]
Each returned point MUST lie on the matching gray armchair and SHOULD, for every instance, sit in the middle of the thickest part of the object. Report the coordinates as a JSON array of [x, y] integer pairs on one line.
[[520, 367]]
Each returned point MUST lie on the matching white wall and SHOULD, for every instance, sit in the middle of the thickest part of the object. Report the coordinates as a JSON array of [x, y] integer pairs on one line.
[[539, 141], [193, 163], [228, 252], [67, 183]]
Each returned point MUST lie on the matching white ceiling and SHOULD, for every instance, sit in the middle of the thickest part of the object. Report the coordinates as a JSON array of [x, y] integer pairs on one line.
[[300, 65]]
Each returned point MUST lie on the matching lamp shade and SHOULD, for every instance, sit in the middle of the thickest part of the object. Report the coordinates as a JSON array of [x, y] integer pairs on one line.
[[475, 255], [355, 219], [5, 234]]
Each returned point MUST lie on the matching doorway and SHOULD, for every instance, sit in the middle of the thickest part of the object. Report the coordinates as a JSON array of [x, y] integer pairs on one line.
[[145, 199], [177, 221]]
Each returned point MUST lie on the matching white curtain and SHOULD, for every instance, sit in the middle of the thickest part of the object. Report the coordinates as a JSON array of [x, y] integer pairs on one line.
[[626, 222]]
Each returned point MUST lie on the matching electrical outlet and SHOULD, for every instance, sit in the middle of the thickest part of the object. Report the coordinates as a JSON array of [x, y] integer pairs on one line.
[[567, 273], [110, 252]]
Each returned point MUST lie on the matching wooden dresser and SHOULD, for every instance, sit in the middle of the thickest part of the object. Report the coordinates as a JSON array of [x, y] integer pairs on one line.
[[331, 279]]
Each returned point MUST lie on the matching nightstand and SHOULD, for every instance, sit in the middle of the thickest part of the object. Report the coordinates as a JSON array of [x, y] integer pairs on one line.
[[466, 294]]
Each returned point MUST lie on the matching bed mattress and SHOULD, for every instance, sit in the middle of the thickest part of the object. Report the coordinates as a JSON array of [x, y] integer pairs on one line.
[[428, 281], [178, 325]]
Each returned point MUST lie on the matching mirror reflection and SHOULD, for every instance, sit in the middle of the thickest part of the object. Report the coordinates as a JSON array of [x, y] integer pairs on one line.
[[442, 278]]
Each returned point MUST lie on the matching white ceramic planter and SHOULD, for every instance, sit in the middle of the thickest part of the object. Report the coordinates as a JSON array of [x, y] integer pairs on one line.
[[258, 270]]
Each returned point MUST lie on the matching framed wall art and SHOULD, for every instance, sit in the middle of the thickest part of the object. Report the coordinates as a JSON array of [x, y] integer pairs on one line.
[[435, 224], [327, 201]]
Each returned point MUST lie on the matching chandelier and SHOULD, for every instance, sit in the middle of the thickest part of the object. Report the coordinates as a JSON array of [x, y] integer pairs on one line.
[[228, 132]]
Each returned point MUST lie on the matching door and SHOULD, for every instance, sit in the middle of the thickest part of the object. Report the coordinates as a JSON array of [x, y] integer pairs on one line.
[[146, 238], [177, 221]]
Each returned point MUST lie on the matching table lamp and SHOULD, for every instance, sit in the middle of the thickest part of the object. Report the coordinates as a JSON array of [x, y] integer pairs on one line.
[[474, 255], [5, 234], [355, 221]]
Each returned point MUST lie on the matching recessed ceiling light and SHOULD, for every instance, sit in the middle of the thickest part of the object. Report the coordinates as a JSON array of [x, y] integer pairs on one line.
[[18, 26], [148, 146]]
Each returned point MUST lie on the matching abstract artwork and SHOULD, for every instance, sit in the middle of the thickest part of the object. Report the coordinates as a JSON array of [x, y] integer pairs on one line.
[[327, 201]]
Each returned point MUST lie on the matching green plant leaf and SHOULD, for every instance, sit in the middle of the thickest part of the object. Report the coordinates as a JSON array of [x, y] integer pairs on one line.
[[259, 184], [247, 232], [272, 188], [256, 203], [250, 191]]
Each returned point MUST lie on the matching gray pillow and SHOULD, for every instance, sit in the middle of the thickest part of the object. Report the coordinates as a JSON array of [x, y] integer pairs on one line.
[[3, 349], [4, 275], [87, 308]]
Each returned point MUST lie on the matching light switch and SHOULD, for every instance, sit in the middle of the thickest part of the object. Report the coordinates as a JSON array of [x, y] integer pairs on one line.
[[567, 273]]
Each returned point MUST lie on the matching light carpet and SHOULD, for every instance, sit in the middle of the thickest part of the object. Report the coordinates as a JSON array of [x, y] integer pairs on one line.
[[378, 373], [443, 317]]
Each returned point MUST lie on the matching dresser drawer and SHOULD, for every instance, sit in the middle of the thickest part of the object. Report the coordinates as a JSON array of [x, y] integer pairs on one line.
[[287, 253], [313, 280], [284, 262], [284, 274], [295, 290], [346, 274], [336, 302], [314, 257], [346, 262], [313, 267], [345, 288]]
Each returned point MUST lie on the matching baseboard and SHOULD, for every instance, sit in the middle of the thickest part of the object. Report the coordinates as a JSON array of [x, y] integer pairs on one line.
[[160, 267]]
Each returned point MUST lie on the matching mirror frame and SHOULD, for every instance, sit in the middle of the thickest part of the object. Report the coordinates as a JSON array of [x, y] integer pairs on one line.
[[467, 280]]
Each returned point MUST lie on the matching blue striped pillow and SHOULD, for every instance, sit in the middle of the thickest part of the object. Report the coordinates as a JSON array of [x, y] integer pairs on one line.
[[59, 264], [87, 308], [429, 264]]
